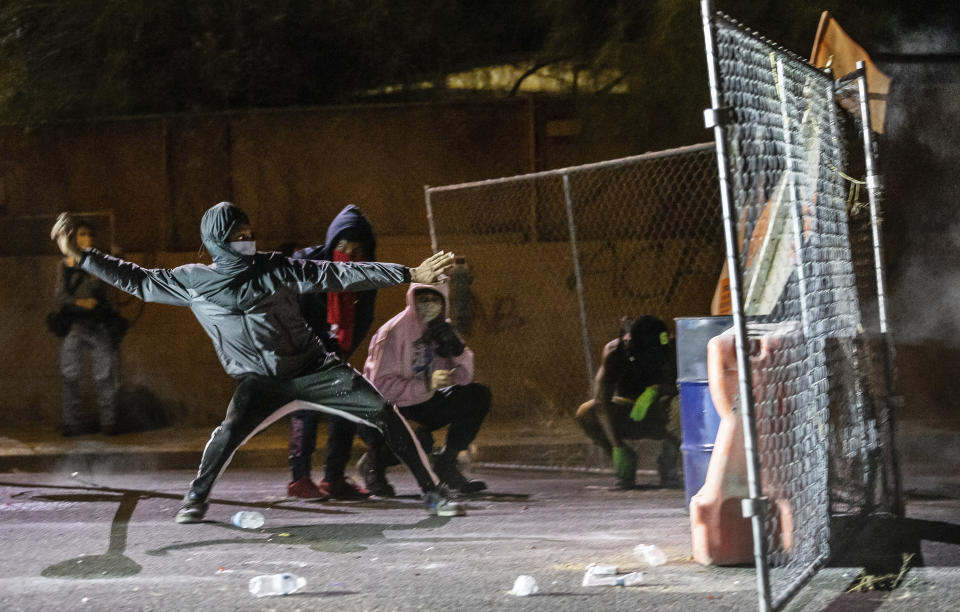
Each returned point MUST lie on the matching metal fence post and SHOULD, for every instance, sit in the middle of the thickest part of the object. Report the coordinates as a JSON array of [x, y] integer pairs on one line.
[[430, 223], [873, 188], [745, 384], [575, 252]]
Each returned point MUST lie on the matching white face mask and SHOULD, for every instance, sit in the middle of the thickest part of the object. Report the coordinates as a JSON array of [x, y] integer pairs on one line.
[[428, 311], [244, 247]]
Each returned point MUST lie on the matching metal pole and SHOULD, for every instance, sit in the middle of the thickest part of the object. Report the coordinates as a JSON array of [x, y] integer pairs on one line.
[[568, 198], [744, 381], [430, 223], [873, 188]]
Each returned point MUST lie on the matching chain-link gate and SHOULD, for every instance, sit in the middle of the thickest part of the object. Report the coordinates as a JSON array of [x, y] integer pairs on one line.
[[555, 259], [810, 416]]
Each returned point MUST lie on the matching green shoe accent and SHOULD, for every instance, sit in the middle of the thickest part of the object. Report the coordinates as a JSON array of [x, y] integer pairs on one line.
[[624, 465]]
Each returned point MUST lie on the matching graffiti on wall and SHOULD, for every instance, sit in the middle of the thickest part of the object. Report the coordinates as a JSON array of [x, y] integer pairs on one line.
[[500, 314]]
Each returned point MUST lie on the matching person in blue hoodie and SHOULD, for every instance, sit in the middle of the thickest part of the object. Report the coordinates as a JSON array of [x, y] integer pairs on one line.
[[247, 303], [341, 320]]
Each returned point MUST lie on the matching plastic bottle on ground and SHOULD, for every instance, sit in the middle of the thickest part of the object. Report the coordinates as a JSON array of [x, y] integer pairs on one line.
[[246, 519], [591, 578], [650, 553], [524, 585], [276, 584]]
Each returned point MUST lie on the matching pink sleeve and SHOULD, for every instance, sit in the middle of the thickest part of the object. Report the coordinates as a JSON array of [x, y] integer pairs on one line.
[[463, 375], [384, 368]]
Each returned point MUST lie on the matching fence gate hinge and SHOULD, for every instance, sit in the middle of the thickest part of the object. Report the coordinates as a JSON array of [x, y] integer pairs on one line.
[[754, 506], [712, 117]]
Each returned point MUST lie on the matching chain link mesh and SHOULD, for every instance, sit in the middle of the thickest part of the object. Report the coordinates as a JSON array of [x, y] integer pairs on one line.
[[815, 421], [647, 236]]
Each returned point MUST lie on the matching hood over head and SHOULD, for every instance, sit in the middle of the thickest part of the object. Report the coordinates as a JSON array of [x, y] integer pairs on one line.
[[215, 228], [350, 224], [440, 288], [648, 341]]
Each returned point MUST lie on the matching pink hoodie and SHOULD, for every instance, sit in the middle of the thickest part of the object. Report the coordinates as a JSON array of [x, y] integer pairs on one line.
[[398, 364]]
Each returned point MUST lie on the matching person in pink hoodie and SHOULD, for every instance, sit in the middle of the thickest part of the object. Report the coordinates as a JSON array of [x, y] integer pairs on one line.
[[418, 362]]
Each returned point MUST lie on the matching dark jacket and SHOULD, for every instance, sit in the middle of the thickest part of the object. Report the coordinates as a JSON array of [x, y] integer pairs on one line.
[[247, 305], [73, 284], [351, 224]]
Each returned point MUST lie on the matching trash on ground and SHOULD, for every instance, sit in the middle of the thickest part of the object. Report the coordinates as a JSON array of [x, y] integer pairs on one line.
[[276, 584], [524, 585], [650, 553], [591, 578], [248, 520]]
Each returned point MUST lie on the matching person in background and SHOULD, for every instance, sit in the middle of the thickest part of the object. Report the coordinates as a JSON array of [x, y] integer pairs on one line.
[[341, 320], [84, 306], [418, 362], [247, 304], [635, 397]]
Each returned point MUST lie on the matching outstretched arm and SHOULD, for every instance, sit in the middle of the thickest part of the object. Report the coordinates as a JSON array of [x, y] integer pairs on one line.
[[157, 285], [331, 276]]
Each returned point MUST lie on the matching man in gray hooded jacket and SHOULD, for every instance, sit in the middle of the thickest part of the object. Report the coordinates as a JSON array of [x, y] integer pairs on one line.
[[247, 304]]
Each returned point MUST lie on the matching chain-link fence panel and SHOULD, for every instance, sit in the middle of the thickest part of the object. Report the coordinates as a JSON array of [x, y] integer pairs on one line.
[[554, 260], [816, 436]]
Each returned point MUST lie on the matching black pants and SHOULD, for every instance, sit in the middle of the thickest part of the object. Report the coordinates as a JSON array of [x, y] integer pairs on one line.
[[460, 408], [661, 423], [333, 388], [303, 441]]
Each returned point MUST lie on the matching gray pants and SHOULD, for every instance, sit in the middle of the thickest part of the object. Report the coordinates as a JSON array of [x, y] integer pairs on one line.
[[88, 342]]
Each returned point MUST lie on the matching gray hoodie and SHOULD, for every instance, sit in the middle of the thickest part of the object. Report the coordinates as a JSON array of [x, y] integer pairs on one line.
[[246, 304]]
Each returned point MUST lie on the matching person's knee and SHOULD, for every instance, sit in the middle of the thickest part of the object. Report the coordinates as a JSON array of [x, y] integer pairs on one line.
[[70, 369], [586, 414], [482, 399]]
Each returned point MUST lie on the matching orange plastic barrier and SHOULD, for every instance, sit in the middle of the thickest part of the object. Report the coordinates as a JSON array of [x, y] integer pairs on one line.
[[720, 533]]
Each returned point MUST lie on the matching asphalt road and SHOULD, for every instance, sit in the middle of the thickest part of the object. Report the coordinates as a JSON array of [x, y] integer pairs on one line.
[[108, 542]]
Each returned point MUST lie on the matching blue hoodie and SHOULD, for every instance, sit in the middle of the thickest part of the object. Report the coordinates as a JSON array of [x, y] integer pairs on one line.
[[350, 222], [247, 305]]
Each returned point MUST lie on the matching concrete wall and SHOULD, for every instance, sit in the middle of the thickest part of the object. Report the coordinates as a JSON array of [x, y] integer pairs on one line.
[[291, 170]]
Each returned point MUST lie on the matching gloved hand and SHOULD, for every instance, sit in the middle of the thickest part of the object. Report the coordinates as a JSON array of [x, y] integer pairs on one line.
[[440, 379], [443, 335], [624, 466], [643, 403]]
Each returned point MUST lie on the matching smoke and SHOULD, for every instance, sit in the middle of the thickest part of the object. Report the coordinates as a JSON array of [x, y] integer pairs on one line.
[[925, 307], [924, 87], [920, 161]]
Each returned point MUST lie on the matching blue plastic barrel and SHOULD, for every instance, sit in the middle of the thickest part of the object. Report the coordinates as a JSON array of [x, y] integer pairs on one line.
[[698, 416]]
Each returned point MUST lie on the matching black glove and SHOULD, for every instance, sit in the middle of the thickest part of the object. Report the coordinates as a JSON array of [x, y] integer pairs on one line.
[[446, 339]]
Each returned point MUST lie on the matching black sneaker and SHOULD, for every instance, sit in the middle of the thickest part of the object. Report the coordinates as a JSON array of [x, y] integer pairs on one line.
[[374, 477], [450, 476], [192, 510], [438, 503]]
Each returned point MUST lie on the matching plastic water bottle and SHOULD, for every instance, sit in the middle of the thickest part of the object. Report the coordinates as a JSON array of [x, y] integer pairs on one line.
[[524, 585], [650, 553], [276, 584], [591, 578], [246, 519]]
